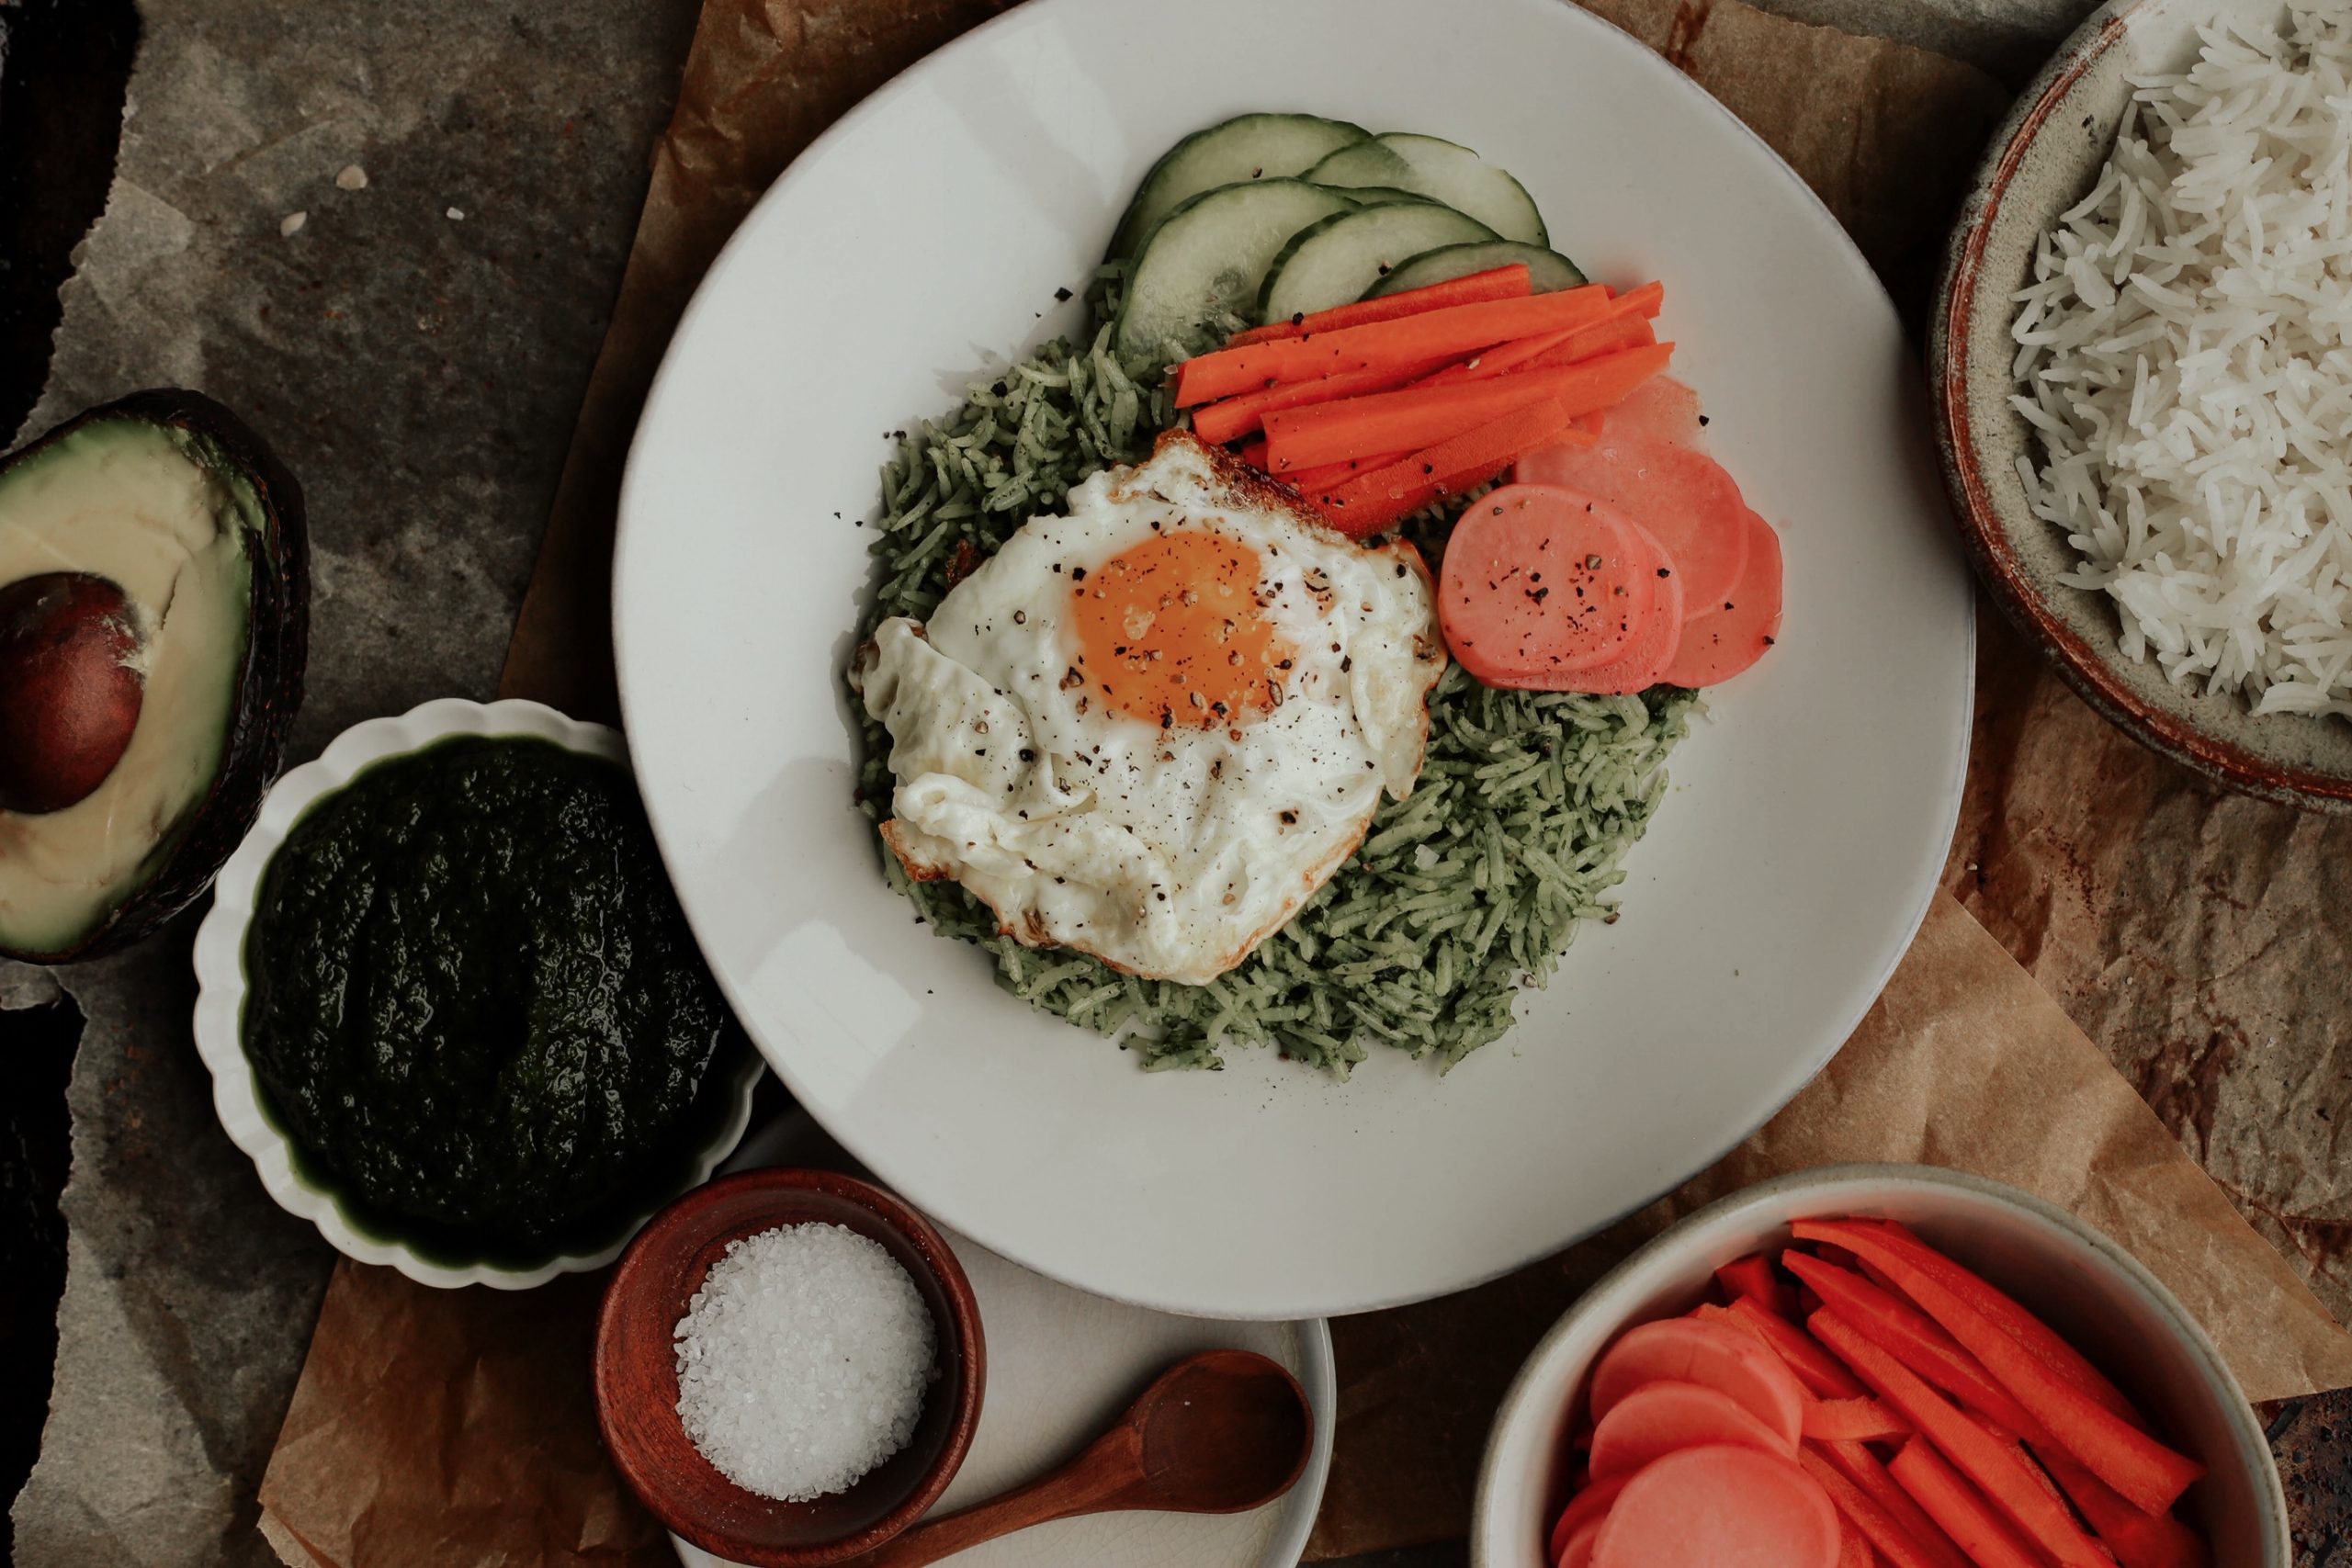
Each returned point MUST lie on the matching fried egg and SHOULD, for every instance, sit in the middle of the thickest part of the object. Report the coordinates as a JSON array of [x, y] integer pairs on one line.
[[1149, 730]]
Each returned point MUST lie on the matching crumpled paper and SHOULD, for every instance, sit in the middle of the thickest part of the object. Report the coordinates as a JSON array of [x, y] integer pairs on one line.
[[2205, 939], [1965, 1062]]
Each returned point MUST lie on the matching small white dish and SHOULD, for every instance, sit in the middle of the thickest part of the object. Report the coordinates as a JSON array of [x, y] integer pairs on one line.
[[920, 239], [220, 984], [2083, 1285], [1062, 1366]]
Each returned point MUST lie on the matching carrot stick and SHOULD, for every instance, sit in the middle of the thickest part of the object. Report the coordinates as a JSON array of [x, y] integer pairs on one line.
[[1887, 1534], [1824, 1376], [1238, 416], [1423, 416], [2022, 1326], [2138, 1539], [1911, 1338], [2152, 1475], [1956, 1506], [1254, 454], [1625, 326], [1445, 333], [1371, 501], [1862, 1467], [1308, 481], [1501, 283], [1754, 1276], [1998, 1469], [1863, 1420]]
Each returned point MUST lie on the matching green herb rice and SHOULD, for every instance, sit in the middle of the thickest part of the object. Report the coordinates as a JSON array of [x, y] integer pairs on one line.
[[1459, 896]]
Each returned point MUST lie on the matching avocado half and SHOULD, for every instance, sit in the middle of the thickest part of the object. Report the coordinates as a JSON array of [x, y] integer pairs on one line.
[[172, 498]]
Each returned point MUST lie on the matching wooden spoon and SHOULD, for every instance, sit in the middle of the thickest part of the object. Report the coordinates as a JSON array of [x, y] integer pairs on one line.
[[1217, 1433]]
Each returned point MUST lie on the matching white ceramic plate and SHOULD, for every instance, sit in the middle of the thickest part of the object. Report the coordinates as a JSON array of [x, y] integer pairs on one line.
[[221, 984], [1062, 1364], [920, 242]]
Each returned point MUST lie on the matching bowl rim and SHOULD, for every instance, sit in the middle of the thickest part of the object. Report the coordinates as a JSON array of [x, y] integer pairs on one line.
[[1518, 1399], [220, 985], [2088, 669], [678, 1218]]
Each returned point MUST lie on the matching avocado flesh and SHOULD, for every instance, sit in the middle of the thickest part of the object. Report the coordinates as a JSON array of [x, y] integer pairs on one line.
[[151, 508]]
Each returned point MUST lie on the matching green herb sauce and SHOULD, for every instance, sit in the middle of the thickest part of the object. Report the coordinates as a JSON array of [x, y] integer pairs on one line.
[[475, 1008]]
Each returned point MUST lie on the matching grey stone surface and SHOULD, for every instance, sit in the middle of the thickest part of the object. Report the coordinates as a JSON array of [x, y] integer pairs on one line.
[[420, 371]]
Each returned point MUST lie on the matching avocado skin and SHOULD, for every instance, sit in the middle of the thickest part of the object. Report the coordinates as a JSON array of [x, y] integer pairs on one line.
[[269, 683]]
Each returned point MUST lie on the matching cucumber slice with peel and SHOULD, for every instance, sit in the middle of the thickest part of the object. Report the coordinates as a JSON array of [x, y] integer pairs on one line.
[[1547, 270], [1199, 272], [1382, 195], [1247, 147], [1442, 171], [1333, 262]]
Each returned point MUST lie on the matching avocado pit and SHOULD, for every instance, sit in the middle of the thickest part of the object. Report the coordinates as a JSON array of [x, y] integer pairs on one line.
[[71, 687]]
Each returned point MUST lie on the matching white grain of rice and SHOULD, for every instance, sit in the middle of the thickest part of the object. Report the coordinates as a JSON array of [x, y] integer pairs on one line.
[[2184, 353]]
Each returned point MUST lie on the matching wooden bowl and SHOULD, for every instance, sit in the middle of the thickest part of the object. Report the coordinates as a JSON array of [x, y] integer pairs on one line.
[[637, 1373], [2043, 161]]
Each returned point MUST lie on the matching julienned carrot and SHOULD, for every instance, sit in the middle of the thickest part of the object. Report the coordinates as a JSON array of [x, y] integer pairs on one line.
[[1501, 283], [1913, 1339], [1823, 1375], [2022, 1326], [1955, 1506], [1553, 349], [1372, 502], [1422, 416], [2138, 1539], [1863, 1420], [1860, 1466], [1448, 332], [1754, 1277], [1238, 416], [1891, 1539], [2152, 1475], [1314, 482], [1625, 326], [1997, 1468]]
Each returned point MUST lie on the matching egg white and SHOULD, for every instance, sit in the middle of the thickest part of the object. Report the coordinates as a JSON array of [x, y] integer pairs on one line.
[[1169, 852]]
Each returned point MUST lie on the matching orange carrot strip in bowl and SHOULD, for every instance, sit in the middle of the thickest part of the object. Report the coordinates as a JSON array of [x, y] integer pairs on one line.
[[1498, 283], [2112, 1447], [1423, 416], [1999, 1469], [1959, 1509], [1447, 332], [1219, 423], [1570, 347]]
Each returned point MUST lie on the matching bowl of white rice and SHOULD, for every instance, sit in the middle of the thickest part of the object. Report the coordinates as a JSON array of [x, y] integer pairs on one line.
[[2143, 363]]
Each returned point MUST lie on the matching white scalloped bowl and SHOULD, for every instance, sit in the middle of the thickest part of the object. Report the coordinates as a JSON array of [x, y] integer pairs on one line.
[[220, 986]]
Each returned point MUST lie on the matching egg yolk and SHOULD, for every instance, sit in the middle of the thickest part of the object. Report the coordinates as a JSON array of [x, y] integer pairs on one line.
[[1171, 633]]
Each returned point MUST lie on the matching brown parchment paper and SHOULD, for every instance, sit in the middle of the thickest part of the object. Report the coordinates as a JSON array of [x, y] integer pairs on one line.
[[2204, 938], [452, 1427]]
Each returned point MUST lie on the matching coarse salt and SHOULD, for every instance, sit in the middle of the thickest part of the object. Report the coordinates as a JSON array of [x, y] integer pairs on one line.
[[803, 1360]]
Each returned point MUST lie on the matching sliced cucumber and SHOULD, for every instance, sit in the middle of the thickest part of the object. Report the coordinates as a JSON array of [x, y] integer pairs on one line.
[[1247, 147], [1336, 259], [1382, 195], [1365, 164], [1199, 272], [1442, 171], [1547, 270]]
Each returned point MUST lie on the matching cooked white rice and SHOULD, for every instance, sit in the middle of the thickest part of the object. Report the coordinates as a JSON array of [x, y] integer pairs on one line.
[[2183, 352]]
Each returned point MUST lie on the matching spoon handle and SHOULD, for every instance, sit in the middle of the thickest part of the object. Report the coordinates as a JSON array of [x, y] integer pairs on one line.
[[1087, 1485]]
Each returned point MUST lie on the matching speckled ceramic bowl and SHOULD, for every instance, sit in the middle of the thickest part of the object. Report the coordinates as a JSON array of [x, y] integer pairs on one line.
[[220, 995], [2044, 160]]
